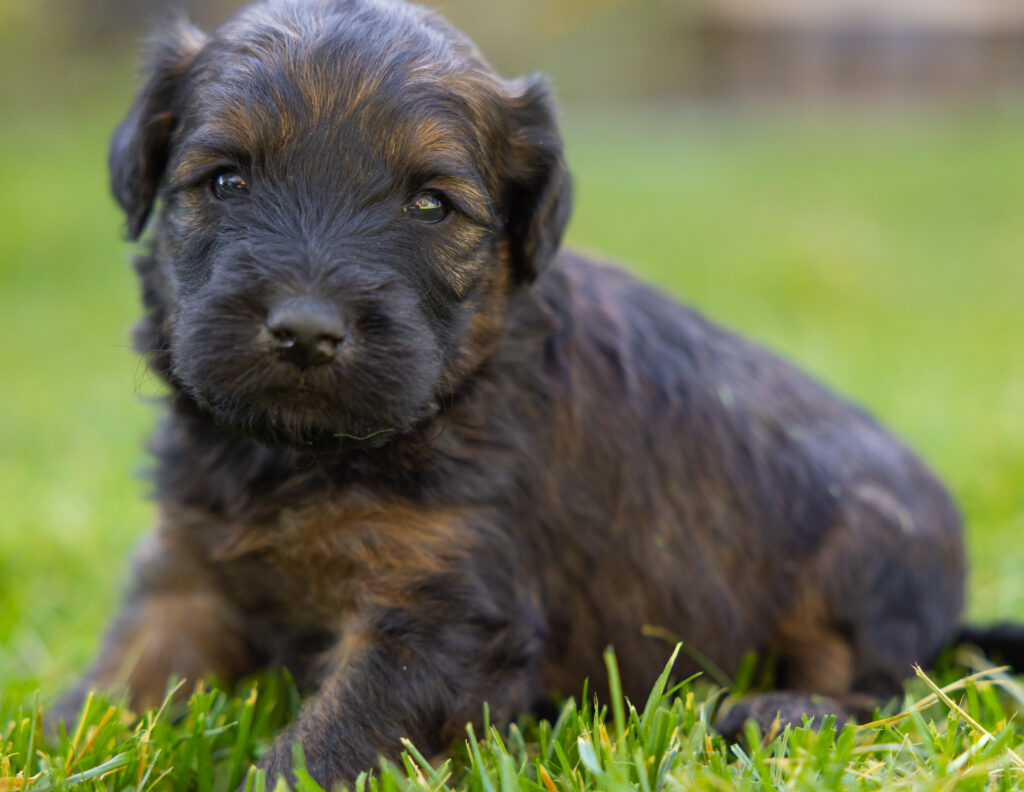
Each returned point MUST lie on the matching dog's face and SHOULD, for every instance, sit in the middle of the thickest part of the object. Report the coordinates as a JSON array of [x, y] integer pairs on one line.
[[348, 197]]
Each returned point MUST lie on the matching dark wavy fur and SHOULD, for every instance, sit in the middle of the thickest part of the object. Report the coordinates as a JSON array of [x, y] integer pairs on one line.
[[516, 456]]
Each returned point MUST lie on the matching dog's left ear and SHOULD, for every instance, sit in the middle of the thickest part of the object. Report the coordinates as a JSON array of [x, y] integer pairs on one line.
[[539, 191], [141, 143]]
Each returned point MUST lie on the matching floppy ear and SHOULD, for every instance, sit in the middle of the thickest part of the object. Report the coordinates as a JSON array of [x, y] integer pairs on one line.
[[539, 196], [140, 146]]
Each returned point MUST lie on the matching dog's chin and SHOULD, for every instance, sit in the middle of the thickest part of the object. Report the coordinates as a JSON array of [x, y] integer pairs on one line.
[[297, 419]]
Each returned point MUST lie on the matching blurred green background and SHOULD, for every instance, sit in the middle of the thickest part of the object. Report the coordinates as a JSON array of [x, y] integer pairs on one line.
[[846, 187]]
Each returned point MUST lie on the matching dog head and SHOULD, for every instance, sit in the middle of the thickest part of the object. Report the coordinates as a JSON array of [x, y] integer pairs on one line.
[[348, 195]]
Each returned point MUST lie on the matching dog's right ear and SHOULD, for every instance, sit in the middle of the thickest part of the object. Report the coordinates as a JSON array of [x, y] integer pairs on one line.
[[539, 199], [140, 146]]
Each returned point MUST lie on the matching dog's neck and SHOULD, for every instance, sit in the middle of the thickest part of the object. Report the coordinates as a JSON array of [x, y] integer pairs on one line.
[[236, 476]]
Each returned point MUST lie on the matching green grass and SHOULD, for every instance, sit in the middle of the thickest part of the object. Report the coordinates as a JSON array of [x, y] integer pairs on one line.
[[884, 254], [961, 736]]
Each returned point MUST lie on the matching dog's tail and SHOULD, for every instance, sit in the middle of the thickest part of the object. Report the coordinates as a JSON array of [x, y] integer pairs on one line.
[[1003, 643]]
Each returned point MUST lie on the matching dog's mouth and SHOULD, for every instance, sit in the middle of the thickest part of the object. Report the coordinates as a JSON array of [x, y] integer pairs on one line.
[[301, 416]]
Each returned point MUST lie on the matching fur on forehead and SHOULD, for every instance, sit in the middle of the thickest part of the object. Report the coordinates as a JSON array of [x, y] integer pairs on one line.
[[349, 66]]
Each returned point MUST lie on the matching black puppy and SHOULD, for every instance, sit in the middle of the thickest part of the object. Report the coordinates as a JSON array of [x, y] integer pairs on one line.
[[423, 459]]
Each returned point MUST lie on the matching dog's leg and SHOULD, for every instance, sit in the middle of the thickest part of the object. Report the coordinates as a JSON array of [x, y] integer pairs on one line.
[[407, 676], [819, 672], [185, 634]]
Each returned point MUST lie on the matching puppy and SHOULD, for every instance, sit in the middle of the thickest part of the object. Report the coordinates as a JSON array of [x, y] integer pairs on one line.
[[425, 460]]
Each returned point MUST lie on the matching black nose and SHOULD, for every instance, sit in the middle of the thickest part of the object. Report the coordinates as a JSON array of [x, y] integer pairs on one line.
[[306, 331]]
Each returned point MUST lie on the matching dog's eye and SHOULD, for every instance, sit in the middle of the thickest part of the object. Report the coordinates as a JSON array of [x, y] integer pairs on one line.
[[228, 185], [426, 207]]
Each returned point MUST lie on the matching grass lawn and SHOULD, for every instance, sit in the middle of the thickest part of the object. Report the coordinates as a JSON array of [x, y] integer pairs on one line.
[[884, 254]]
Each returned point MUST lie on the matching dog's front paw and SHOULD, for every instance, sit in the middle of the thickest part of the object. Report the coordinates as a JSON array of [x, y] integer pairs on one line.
[[278, 762]]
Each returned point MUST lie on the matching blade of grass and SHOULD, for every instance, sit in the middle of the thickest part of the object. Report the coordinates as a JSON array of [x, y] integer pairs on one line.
[[615, 691], [241, 747], [966, 718]]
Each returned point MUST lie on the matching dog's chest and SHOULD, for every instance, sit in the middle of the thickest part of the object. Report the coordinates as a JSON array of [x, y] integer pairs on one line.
[[323, 562]]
